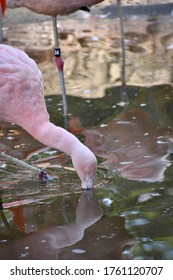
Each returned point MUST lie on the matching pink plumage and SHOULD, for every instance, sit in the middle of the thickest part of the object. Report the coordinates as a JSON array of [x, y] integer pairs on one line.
[[52, 7], [22, 102]]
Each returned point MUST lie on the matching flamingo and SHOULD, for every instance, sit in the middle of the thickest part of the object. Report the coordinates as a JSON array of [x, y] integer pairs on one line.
[[22, 102], [54, 8]]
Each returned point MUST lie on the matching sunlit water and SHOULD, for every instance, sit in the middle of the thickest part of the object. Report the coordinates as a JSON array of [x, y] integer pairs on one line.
[[129, 213]]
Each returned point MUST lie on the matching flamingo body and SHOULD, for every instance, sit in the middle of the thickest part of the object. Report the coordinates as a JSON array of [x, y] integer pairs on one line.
[[52, 7], [22, 102]]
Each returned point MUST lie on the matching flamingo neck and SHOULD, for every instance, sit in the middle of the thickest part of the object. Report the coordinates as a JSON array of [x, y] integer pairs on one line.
[[84, 161], [54, 136]]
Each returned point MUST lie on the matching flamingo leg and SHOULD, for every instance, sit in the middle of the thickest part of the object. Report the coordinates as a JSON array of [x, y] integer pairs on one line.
[[1, 36], [60, 66], [124, 97]]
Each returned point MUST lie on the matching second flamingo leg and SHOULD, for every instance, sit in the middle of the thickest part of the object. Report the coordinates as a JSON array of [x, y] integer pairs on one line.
[[60, 66]]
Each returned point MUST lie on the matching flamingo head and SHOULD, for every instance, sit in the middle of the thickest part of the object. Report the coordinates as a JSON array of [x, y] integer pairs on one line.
[[85, 163]]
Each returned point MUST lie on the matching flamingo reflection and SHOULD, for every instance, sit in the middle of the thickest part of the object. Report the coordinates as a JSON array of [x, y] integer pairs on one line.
[[46, 243]]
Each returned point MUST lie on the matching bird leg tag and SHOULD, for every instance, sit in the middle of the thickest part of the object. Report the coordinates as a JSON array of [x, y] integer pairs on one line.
[[57, 52]]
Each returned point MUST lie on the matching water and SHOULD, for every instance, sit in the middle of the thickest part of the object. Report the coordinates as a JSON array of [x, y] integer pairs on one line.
[[129, 213]]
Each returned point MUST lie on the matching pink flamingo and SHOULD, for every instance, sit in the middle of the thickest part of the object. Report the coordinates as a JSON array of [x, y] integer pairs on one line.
[[22, 102], [54, 8]]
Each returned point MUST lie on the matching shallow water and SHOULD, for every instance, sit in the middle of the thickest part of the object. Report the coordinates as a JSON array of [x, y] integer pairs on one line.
[[128, 215]]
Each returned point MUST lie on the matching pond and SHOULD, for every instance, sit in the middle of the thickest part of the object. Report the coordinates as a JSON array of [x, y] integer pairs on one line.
[[129, 213]]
